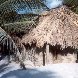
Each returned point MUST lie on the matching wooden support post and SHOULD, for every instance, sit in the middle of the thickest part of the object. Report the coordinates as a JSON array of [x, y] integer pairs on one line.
[[8, 48], [43, 58], [77, 57], [47, 53]]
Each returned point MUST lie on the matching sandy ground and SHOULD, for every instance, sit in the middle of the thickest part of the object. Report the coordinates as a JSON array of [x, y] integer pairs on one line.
[[62, 70]]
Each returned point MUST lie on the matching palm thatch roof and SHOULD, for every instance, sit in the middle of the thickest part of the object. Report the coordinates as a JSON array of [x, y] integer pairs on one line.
[[3, 35], [58, 27], [5, 39]]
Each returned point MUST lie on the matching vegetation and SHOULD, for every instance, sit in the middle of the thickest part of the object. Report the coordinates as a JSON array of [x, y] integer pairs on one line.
[[72, 4], [19, 28]]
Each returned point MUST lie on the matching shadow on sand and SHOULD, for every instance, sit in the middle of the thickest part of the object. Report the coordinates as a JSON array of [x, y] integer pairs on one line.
[[3, 67], [30, 73]]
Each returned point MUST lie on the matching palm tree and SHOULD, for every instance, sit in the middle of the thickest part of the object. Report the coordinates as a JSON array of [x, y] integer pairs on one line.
[[28, 4], [10, 10], [16, 5]]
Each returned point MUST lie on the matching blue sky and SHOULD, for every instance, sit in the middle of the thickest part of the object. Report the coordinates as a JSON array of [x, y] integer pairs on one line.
[[50, 4]]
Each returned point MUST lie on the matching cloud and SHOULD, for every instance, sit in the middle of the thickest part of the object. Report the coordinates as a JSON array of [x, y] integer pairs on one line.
[[53, 3]]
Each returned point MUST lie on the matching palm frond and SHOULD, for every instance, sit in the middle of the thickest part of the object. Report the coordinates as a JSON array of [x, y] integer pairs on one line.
[[16, 5]]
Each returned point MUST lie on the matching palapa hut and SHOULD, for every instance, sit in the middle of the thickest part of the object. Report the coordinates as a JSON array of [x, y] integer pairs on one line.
[[56, 37]]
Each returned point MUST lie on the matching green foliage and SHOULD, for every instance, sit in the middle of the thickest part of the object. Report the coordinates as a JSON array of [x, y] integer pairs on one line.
[[9, 16], [77, 9], [72, 4], [8, 8], [2, 1], [19, 28]]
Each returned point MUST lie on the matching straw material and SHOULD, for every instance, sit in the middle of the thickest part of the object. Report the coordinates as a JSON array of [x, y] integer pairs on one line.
[[58, 27]]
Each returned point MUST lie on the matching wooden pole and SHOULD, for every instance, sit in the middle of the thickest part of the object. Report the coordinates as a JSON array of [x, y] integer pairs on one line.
[[47, 53], [77, 57], [43, 58]]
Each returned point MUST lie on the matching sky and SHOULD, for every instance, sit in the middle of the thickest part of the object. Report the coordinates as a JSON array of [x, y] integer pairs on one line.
[[49, 3], [53, 3]]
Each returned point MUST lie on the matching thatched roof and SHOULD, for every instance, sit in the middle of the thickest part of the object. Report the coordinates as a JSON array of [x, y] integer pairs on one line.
[[58, 27], [5, 39], [3, 35]]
